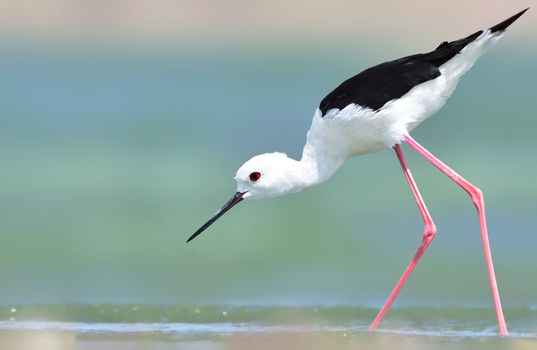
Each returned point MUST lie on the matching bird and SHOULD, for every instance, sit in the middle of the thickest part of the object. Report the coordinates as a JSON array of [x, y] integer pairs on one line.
[[375, 110]]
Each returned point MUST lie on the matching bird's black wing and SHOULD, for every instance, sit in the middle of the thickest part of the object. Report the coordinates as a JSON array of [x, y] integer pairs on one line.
[[377, 85], [387, 81]]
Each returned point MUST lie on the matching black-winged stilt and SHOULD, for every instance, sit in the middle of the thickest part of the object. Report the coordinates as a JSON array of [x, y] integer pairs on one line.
[[374, 110]]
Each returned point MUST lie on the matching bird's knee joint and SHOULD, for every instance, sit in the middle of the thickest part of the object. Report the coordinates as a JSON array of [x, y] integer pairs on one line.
[[429, 233], [477, 196]]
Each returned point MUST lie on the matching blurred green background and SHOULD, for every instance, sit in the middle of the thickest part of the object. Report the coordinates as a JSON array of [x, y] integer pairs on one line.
[[122, 125]]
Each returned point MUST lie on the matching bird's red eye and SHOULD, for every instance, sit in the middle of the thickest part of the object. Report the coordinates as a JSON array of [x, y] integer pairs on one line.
[[256, 175]]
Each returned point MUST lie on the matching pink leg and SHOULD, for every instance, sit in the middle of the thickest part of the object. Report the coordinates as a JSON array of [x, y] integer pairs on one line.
[[428, 235], [477, 198]]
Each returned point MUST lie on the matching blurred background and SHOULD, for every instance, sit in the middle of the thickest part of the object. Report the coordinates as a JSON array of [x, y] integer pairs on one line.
[[122, 124]]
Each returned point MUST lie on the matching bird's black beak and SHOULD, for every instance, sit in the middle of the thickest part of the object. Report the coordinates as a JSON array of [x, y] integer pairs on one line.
[[237, 197]]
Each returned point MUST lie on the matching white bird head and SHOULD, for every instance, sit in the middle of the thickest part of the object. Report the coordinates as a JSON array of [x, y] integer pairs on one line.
[[263, 176], [269, 175]]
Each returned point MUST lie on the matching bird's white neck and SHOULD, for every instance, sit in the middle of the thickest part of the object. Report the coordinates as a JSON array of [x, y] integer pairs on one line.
[[281, 175], [318, 164]]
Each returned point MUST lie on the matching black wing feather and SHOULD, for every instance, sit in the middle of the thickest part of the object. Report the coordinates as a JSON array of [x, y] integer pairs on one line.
[[375, 86]]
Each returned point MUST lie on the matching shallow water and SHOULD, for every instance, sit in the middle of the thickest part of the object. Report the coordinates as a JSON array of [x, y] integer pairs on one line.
[[104, 327], [187, 321]]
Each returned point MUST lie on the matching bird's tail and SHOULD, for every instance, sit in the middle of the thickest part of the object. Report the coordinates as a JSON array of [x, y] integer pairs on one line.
[[500, 27], [476, 45]]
